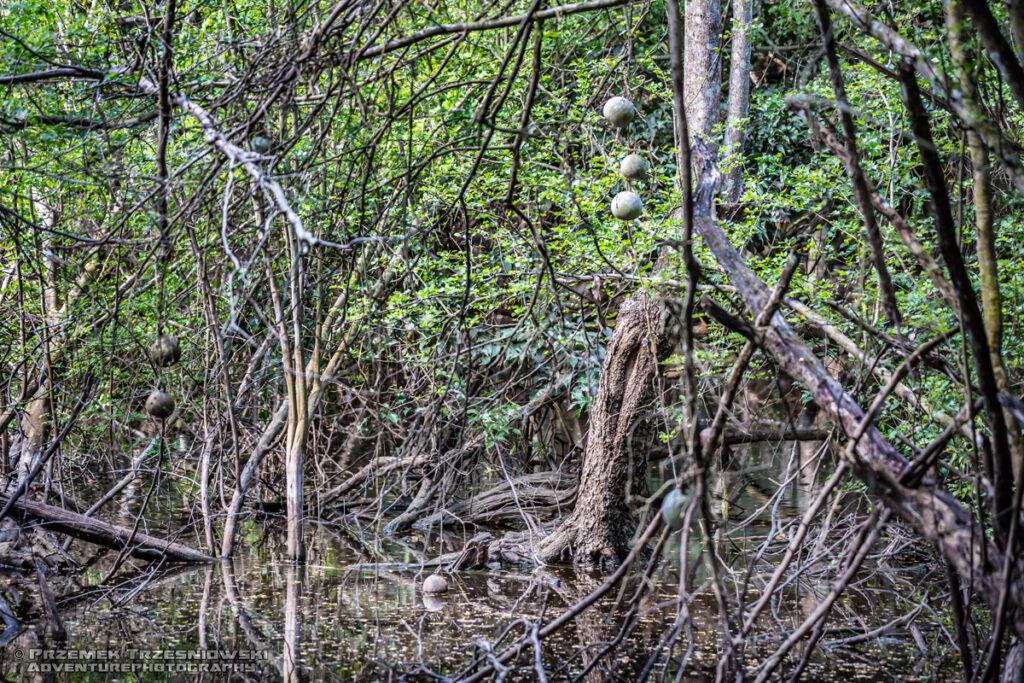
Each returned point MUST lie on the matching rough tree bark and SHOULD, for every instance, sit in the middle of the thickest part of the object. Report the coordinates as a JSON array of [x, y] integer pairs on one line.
[[601, 526], [95, 531], [739, 100]]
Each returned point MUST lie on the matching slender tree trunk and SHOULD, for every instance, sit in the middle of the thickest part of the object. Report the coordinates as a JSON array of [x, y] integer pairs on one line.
[[249, 474], [298, 417], [985, 235], [34, 421], [1000, 466], [291, 655], [739, 100], [294, 479], [204, 488], [283, 412], [703, 64], [981, 189], [860, 185]]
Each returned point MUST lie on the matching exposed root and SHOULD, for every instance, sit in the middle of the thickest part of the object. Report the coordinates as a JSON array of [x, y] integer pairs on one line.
[[538, 496]]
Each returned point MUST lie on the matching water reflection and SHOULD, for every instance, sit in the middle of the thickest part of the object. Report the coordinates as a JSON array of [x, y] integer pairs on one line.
[[291, 667], [330, 621]]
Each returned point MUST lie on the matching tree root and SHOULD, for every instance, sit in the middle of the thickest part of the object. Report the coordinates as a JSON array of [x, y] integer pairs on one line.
[[534, 496]]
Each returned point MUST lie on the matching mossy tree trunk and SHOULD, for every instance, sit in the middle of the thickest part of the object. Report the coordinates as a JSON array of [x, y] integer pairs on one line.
[[985, 233]]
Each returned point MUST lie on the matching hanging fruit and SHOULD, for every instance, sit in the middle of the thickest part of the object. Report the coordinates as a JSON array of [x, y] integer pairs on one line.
[[165, 351], [672, 508], [260, 144], [633, 167], [619, 111], [626, 206], [160, 404]]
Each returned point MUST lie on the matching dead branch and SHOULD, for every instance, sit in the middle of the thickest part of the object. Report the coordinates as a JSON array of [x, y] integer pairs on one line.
[[101, 533], [931, 511]]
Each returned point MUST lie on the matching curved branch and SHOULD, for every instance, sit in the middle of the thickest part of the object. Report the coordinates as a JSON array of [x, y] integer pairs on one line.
[[54, 74], [486, 25]]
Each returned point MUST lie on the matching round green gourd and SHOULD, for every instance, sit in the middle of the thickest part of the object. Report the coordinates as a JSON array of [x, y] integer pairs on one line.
[[626, 206], [633, 167], [165, 351], [673, 508], [619, 111], [260, 144], [160, 404], [435, 583]]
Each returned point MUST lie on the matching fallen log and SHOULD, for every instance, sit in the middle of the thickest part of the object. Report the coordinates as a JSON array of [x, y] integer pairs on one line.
[[767, 432], [143, 546]]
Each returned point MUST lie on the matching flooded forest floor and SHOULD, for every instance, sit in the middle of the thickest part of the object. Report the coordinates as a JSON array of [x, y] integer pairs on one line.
[[357, 611]]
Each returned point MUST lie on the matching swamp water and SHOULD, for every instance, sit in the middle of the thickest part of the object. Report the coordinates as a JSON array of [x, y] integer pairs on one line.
[[338, 620]]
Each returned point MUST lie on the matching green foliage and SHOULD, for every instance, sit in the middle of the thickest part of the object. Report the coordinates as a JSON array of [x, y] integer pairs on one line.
[[414, 150]]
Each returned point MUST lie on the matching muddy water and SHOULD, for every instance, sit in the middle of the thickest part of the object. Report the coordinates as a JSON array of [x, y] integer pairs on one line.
[[256, 617]]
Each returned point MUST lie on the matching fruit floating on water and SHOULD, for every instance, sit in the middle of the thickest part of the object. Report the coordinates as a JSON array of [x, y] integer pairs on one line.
[[672, 509], [435, 583], [160, 404], [619, 111], [165, 351], [626, 206], [633, 167]]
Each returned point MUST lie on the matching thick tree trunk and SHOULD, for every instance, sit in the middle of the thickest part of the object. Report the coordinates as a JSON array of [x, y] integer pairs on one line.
[[600, 528]]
